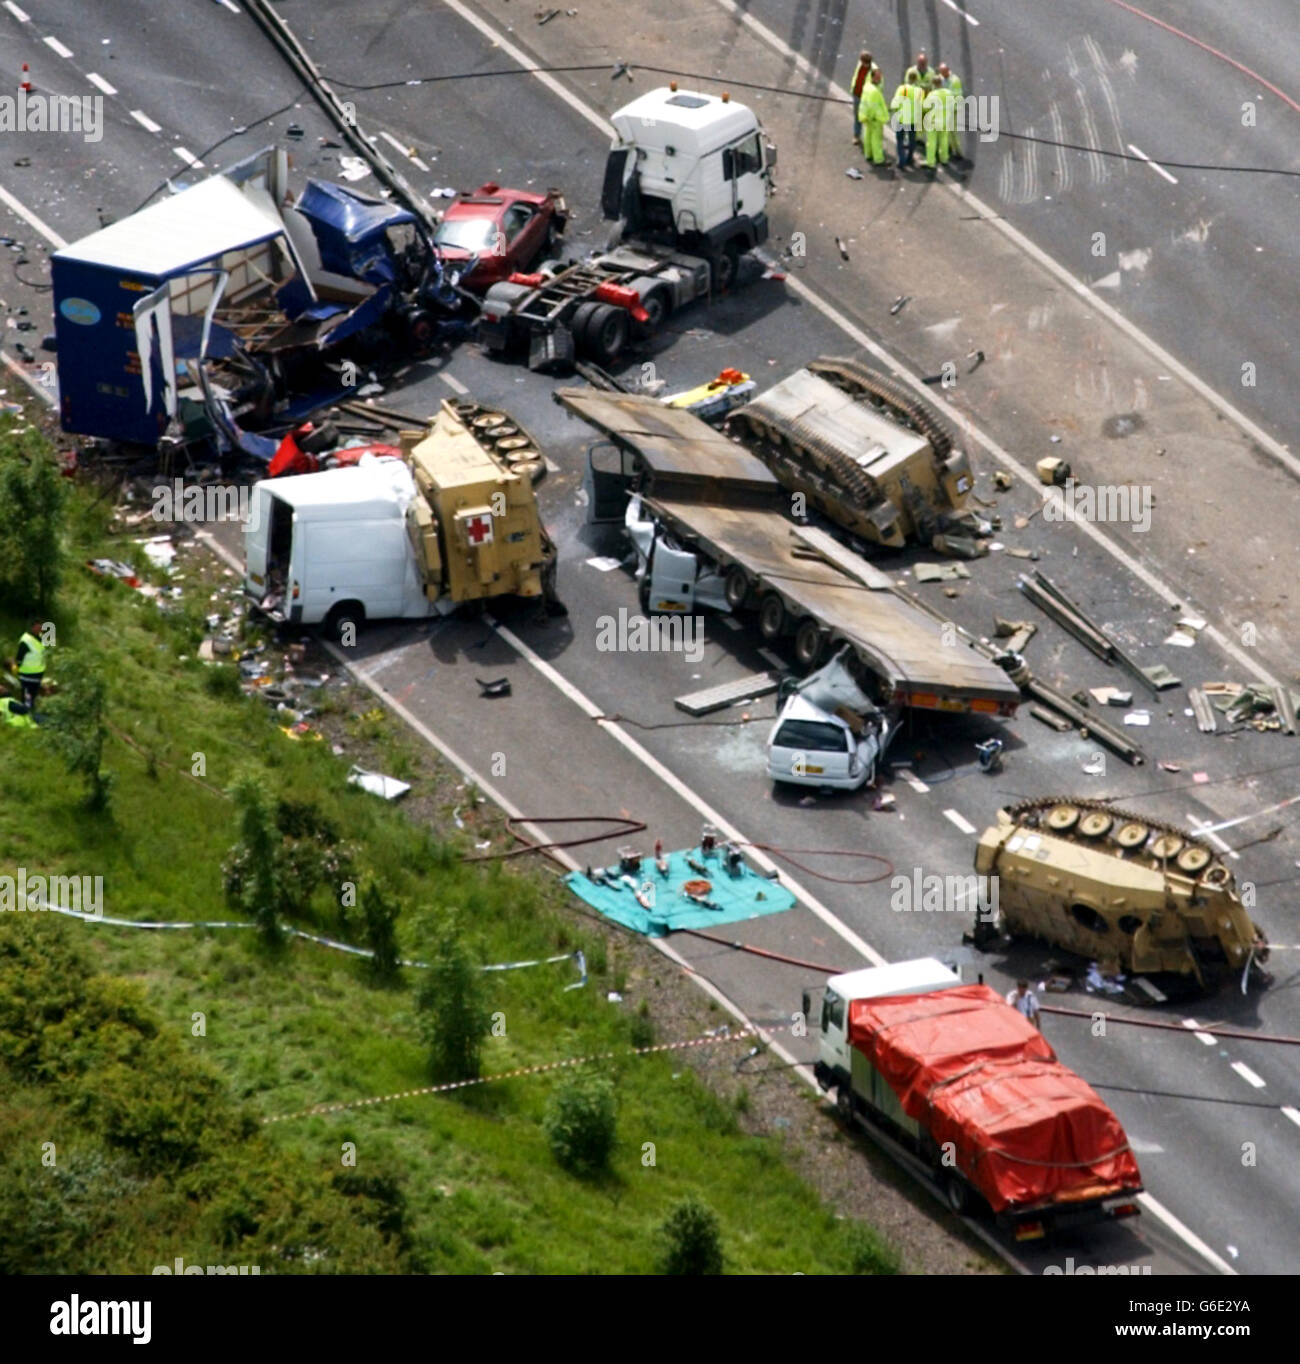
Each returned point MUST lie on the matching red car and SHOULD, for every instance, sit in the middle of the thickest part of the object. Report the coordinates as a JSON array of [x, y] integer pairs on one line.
[[508, 229]]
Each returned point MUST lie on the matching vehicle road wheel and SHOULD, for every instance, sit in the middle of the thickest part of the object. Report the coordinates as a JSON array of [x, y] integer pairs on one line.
[[771, 617], [578, 323], [606, 333], [341, 615], [726, 266], [844, 1104], [808, 643], [955, 1192], [737, 587], [655, 304]]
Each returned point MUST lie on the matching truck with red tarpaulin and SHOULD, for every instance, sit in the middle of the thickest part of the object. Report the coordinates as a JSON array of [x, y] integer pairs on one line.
[[969, 1086]]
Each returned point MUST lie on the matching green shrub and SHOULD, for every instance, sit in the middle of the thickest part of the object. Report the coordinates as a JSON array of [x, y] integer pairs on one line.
[[693, 1239], [581, 1122], [868, 1254], [454, 1016]]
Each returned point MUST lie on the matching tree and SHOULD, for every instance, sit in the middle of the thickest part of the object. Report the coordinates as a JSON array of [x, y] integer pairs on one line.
[[253, 875], [379, 923], [33, 499], [454, 1015], [581, 1123], [693, 1239], [79, 730]]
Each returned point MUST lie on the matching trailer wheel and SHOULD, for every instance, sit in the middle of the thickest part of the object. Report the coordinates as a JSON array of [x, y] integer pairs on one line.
[[771, 617], [956, 1193], [606, 333], [736, 587], [809, 641], [578, 323]]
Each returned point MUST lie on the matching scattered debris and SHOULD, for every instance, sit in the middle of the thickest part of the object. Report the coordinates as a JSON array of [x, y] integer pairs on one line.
[[1111, 696], [1094, 982], [937, 573], [1170, 767], [843, 250], [1002, 480], [379, 785], [978, 357], [1053, 471], [853, 173], [1053, 721], [1095, 765], [499, 686], [1138, 717], [727, 694], [899, 304]]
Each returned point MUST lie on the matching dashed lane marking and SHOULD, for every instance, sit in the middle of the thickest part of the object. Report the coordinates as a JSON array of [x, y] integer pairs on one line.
[[957, 9], [1203, 1037], [56, 46], [100, 83], [1143, 983], [20, 14], [1292, 1113], [145, 121], [452, 382], [1155, 165], [772, 658], [913, 780], [1247, 1074], [187, 156], [404, 149], [960, 820]]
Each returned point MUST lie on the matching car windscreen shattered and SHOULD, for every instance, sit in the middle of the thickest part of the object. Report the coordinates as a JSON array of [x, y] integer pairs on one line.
[[817, 735], [466, 234]]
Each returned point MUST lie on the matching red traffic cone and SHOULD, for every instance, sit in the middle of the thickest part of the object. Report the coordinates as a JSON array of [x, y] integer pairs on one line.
[[26, 83]]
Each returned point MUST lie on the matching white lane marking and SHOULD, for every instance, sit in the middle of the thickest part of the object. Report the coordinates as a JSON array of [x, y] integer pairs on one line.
[[1200, 1036], [1145, 1148], [730, 622], [684, 792], [970, 18], [1205, 829], [1292, 1113], [30, 218], [393, 142], [146, 122], [1079, 288], [1158, 1209], [100, 83], [1247, 1074], [56, 46], [1158, 995], [499, 39], [913, 780], [187, 156], [452, 382], [960, 821], [231, 6], [551, 466], [20, 14], [1155, 165], [772, 658]]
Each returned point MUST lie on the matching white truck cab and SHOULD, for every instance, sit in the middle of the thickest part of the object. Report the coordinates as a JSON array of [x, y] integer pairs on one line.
[[834, 1065], [693, 170]]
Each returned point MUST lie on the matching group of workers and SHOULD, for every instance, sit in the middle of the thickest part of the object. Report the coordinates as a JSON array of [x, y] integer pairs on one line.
[[29, 664], [926, 104]]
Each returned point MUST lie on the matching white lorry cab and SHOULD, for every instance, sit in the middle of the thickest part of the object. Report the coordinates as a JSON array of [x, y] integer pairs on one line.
[[692, 170], [333, 546], [828, 732]]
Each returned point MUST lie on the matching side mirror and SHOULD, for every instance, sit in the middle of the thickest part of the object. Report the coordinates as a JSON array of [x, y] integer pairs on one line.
[[770, 155], [806, 1003]]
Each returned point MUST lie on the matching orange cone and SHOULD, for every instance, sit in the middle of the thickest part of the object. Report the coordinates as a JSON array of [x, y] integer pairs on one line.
[[26, 80]]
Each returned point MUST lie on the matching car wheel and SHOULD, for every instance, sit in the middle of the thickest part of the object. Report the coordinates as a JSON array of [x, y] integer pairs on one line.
[[341, 615], [956, 1193], [844, 1104]]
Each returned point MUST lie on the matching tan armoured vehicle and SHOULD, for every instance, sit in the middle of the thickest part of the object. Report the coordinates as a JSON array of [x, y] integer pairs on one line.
[[1127, 891], [864, 452]]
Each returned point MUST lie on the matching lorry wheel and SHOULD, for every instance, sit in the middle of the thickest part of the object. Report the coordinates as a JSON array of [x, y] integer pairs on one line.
[[341, 615], [578, 323], [844, 1105], [726, 266], [655, 304], [771, 617], [956, 1194], [736, 587], [606, 333], [809, 642]]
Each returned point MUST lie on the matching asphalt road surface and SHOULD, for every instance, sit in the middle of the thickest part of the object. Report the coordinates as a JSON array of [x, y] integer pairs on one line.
[[1214, 1125]]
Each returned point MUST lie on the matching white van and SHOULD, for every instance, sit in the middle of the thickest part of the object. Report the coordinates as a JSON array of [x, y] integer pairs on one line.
[[333, 546]]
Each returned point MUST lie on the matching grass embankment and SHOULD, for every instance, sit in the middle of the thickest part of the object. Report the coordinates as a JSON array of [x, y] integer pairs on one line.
[[158, 1146]]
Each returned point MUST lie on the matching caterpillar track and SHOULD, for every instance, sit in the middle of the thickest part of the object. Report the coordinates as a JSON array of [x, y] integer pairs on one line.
[[1133, 893], [862, 450]]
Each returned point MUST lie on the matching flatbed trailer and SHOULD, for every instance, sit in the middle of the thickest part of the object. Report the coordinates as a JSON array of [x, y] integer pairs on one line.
[[712, 528]]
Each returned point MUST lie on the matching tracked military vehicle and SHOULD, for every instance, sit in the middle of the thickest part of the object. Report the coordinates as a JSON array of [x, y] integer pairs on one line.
[[1130, 892], [864, 452]]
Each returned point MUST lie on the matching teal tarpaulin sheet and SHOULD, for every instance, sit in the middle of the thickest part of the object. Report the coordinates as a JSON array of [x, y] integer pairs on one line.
[[744, 896]]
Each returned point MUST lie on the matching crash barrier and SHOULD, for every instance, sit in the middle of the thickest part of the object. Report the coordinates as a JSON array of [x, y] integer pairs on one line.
[[578, 958], [715, 1036]]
